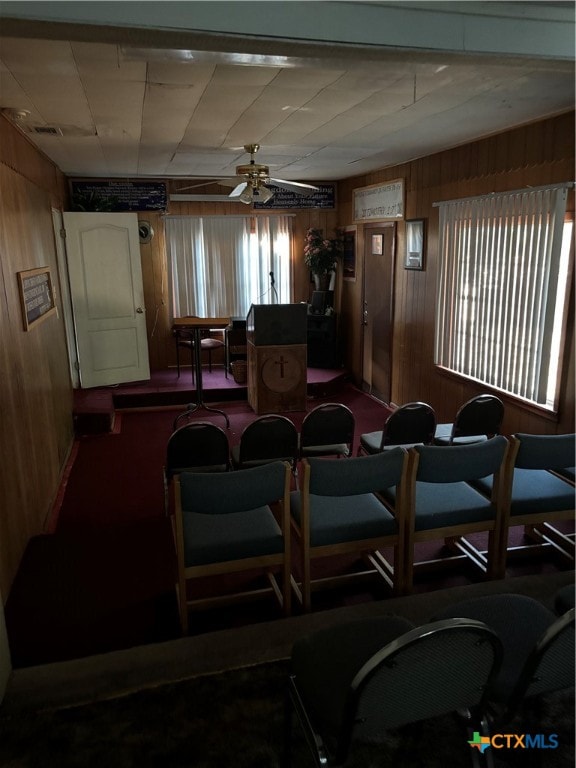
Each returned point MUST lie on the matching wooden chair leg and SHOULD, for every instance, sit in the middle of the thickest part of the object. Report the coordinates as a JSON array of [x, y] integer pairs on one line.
[[306, 587], [399, 570], [495, 566], [408, 580]]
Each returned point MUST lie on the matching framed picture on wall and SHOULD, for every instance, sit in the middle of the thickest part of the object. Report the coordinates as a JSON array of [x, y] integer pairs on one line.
[[37, 297], [415, 244]]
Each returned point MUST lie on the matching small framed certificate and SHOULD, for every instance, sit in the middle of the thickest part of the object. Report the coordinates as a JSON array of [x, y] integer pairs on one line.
[[415, 244]]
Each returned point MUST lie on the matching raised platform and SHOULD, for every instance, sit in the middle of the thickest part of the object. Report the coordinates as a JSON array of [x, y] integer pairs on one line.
[[94, 409]]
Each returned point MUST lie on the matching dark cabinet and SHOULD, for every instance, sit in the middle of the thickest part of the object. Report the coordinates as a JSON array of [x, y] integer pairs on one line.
[[235, 341], [322, 340]]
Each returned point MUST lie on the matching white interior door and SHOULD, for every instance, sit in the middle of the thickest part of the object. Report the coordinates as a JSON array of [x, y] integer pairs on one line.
[[107, 297]]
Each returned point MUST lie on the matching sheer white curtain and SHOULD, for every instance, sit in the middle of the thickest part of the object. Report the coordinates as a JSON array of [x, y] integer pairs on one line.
[[220, 265]]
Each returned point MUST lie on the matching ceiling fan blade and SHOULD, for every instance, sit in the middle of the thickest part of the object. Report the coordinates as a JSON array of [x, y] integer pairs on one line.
[[230, 182], [237, 191], [223, 182], [295, 186], [195, 186]]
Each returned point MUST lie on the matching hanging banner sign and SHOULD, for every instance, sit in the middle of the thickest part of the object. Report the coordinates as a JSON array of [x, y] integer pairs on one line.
[[379, 202], [118, 196], [325, 197]]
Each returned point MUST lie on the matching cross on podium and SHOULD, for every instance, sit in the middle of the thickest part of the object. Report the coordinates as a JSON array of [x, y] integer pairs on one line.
[[281, 362]]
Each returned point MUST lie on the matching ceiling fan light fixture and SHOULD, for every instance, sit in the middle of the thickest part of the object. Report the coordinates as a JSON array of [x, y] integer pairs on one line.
[[250, 182], [264, 194]]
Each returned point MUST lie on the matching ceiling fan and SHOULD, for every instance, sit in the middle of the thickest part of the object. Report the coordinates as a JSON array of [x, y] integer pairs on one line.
[[251, 180]]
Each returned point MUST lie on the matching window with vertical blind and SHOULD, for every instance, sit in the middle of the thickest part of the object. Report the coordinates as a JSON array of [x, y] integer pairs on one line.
[[503, 290]]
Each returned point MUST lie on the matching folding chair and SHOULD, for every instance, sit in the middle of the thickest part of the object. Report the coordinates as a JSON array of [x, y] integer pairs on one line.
[[354, 682], [410, 424], [477, 420], [266, 439], [538, 649], [328, 430]]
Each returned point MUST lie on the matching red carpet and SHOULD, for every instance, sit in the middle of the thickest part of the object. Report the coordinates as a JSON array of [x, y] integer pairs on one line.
[[118, 478], [104, 579]]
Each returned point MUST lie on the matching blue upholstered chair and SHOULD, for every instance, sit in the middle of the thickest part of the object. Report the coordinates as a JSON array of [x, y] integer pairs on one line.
[[538, 648], [539, 491], [441, 504], [337, 511], [327, 430], [233, 522], [408, 425], [353, 682], [477, 420]]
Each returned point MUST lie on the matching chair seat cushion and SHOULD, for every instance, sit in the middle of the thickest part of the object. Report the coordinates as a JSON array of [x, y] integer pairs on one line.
[[235, 456], [371, 441], [326, 662], [533, 491], [468, 440], [568, 472], [338, 449], [233, 536], [336, 519], [444, 431], [439, 505], [211, 343]]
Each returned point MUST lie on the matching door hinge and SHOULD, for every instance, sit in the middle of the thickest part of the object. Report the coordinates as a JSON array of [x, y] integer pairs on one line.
[[63, 233]]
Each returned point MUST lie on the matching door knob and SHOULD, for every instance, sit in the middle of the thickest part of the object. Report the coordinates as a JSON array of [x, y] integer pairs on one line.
[[139, 310]]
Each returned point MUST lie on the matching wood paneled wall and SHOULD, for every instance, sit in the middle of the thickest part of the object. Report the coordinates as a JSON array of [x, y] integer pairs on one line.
[[537, 154], [36, 431]]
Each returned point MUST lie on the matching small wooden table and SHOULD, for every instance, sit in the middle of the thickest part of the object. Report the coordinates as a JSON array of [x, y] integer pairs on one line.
[[196, 325]]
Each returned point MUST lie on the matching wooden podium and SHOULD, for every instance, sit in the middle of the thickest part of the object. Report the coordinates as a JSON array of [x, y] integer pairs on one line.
[[277, 350]]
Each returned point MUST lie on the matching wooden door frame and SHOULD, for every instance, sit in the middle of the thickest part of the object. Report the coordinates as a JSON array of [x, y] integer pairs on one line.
[[367, 231]]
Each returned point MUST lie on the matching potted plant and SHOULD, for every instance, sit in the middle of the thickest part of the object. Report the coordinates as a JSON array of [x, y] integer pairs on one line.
[[320, 254]]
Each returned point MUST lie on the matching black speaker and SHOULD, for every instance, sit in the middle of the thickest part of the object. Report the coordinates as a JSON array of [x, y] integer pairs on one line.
[[323, 342]]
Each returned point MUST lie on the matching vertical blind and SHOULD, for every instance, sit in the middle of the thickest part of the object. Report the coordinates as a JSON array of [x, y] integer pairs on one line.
[[220, 265], [498, 286]]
